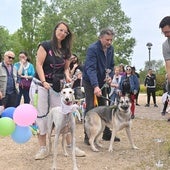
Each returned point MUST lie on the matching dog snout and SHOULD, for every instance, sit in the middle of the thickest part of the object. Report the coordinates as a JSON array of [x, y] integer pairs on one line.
[[125, 107], [67, 99]]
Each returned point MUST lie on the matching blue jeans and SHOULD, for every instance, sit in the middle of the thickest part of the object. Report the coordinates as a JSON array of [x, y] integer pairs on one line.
[[113, 97], [25, 93]]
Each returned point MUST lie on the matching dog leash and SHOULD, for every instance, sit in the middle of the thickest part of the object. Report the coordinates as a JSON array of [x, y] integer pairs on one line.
[[106, 98]]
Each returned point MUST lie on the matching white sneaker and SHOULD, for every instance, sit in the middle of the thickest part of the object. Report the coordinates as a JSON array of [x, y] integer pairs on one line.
[[42, 153], [80, 153]]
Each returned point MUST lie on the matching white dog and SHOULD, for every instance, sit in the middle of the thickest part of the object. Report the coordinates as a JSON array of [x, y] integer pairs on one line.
[[64, 122]]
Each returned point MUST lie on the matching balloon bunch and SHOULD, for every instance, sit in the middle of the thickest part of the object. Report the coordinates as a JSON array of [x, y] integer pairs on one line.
[[16, 122]]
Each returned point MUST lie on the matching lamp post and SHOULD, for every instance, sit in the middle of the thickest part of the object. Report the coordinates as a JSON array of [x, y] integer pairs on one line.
[[149, 45]]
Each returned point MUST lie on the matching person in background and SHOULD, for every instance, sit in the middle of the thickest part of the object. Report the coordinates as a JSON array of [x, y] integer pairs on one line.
[[98, 72], [114, 93], [137, 94], [165, 28], [26, 72], [150, 84], [8, 81], [52, 69], [122, 69], [75, 64], [76, 69], [129, 85]]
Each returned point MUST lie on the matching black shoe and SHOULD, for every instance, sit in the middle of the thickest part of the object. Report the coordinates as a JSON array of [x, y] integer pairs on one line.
[[155, 105], [116, 139], [106, 137], [137, 104], [132, 116], [168, 120], [107, 134], [147, 105], [163, 113]]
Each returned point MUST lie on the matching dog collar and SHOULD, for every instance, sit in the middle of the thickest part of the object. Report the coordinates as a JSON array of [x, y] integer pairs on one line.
[[68, 108]]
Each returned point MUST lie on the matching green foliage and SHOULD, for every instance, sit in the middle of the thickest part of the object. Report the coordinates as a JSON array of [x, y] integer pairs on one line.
[[142, 88], [5, 41], [160, 79], [159, 93], [154, 65], [85, 18], [32, 11]]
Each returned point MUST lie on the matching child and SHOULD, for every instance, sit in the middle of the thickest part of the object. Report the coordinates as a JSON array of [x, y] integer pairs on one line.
[[115, 85]]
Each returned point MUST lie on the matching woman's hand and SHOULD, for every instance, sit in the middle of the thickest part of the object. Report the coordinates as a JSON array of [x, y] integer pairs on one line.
[[46, 85]]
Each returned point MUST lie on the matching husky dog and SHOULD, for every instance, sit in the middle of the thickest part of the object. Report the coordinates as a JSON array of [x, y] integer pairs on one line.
[[115, 117], [64, 122]]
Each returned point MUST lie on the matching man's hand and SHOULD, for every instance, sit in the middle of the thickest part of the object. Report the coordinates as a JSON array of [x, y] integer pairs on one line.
[[97, 91]]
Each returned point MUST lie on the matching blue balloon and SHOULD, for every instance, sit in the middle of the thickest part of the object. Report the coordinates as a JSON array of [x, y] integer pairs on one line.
[[8, 112], [21, 134]]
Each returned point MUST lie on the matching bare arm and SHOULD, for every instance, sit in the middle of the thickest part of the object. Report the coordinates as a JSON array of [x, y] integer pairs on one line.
[[167, 63], [67, 71], [41, 55]]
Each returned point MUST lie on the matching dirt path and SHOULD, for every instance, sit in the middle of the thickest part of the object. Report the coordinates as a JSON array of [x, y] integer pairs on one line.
[[147, 126]]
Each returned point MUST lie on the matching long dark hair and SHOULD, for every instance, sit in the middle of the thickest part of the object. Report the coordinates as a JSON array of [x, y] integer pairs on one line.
[[26, 54], [65, 44]]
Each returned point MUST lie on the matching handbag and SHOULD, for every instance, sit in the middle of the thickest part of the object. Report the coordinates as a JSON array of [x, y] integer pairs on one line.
[[25, 83], [58, 82]]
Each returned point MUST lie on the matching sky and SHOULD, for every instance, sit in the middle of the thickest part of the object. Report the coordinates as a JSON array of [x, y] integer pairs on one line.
[[145, 17]]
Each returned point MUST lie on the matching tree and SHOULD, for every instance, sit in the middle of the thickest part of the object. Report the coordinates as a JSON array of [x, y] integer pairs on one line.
[[31, 11], [87, 17], [156, 65], [5, 39]]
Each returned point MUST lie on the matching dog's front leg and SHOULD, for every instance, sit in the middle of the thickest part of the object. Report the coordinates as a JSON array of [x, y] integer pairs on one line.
[[73, 127], [128, 132], [54, 166], [64, 145], [50, 143], [112, 140]]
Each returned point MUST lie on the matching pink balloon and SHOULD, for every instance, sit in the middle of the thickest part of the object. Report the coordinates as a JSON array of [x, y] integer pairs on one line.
[[25, 115]]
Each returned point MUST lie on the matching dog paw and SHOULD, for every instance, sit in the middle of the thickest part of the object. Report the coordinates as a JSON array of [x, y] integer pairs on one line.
[[135, 147], [66, 154], [53, 168], [95, 149], [75, 168], [99, 145], [110, 150]]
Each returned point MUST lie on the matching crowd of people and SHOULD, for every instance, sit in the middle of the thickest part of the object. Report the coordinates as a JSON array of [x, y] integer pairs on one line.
[[56, 65]]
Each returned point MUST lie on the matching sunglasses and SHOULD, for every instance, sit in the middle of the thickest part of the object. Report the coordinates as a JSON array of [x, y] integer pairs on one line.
[[128, 69], [12, 58]]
